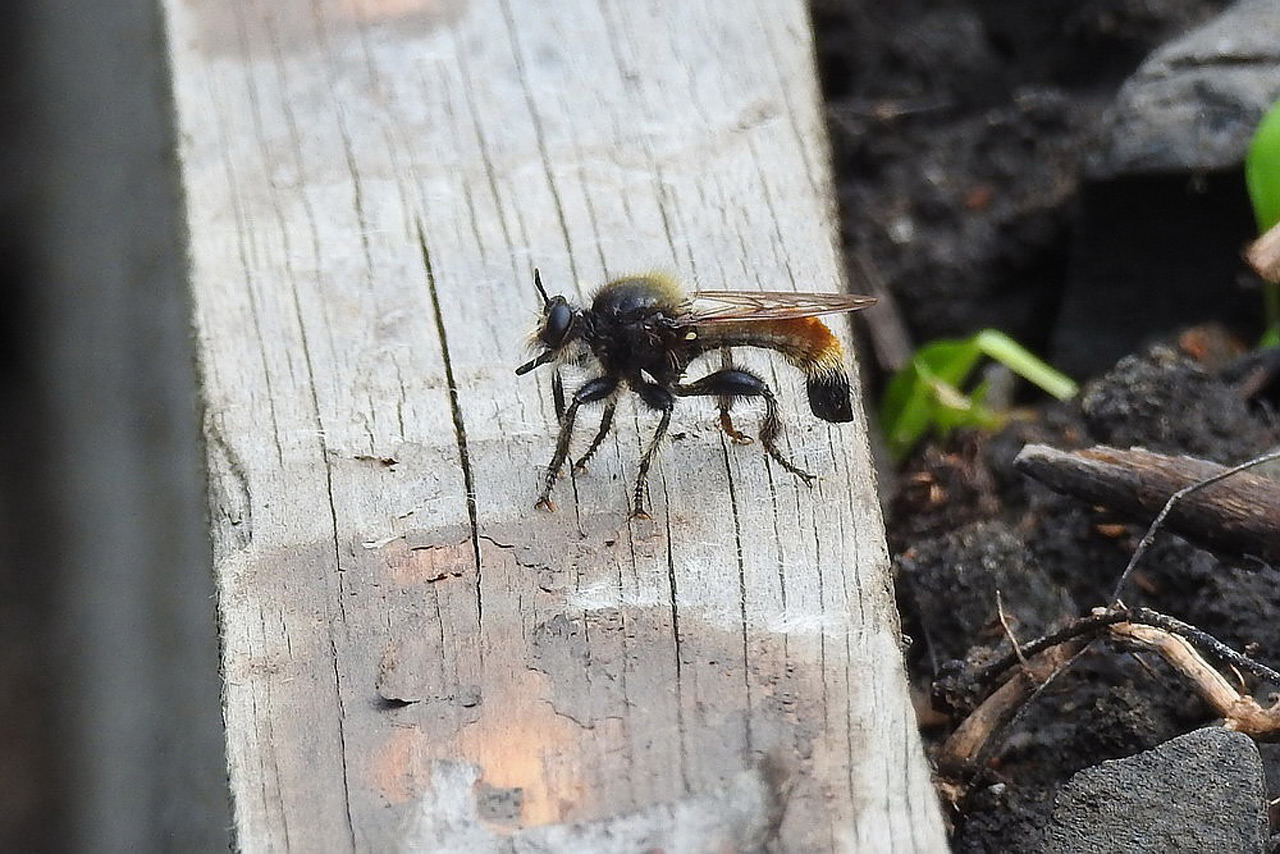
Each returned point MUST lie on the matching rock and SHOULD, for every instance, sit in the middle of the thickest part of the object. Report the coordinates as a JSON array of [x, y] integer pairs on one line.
[[1203, 791], [1193, 105], [1162, 401]]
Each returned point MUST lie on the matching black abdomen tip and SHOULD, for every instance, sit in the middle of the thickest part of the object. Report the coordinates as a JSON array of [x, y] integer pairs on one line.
[[829, 396]]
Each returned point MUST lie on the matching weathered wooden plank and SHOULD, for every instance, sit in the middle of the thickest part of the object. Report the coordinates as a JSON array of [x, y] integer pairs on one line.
[[370, 187]]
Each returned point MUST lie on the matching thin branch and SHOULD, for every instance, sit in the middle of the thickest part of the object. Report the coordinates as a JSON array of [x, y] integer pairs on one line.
[[1206, 642], [1083, 626], [1239, 711], [974, 738], [1004, 623], [1104, 617], [1044, 659], [1240, 516]]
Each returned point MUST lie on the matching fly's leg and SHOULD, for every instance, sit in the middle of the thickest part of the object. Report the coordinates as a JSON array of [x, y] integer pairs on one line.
[[735, 382], [725, 401], [590, 392], [726, 424], [606, 423], [557, 393], [642, 479], [658, 398], [770, 427]]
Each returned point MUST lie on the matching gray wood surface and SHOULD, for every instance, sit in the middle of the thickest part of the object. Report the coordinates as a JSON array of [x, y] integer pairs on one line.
[[414, 657]]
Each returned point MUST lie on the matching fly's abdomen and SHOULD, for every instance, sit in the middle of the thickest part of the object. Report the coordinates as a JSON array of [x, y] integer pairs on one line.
[[829, 395], [805, 342]]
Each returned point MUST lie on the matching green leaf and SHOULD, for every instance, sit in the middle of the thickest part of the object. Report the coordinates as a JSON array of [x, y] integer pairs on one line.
[[912, 401], [1019, 359], [1262, 176], [1262, 170], [925, 395]]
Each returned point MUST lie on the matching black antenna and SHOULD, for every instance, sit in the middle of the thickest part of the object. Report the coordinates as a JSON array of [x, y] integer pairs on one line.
[[537, 283]]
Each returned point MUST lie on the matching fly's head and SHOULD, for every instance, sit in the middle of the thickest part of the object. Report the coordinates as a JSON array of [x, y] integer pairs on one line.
[[559, 330]]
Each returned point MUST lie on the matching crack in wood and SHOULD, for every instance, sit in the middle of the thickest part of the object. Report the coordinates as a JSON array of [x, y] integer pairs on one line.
[[455, 408]]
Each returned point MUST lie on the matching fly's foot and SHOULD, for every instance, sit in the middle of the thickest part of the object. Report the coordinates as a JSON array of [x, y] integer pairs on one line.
[[809, 479], [735, 435], [544, 503]]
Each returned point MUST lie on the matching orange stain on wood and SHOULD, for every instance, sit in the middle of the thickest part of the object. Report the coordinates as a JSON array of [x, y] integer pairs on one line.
[[401, 769], [413, 566], [521, 743]]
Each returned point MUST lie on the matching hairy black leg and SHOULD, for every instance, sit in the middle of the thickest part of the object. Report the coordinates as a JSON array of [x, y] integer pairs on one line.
[[658, 398], [590, 392], [735, 382], [642, 479], [725, 403], [606, 422], [770, 427], [557, 393]]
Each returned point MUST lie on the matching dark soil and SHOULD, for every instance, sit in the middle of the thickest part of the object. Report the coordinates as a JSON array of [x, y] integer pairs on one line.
[[1049, 558], [959, 131]]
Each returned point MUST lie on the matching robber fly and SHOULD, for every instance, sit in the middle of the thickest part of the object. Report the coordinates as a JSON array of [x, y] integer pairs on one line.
[[644, 331]]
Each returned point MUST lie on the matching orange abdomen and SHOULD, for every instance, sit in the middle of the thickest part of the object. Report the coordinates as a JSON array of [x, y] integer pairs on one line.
[[805, 342]]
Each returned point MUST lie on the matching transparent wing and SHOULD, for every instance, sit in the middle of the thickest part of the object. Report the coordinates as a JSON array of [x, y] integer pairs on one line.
[[737, 306]]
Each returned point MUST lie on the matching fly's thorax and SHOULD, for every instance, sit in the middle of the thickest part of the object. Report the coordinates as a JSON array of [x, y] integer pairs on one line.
[[637, 296], [631, 329], [646, 289], [640, 342]]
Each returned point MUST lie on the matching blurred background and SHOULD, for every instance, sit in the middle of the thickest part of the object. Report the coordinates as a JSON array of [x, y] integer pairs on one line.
[[110, 731]]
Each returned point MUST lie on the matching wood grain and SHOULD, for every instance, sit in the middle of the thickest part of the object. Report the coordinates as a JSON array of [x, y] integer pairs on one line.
[[414, 657]]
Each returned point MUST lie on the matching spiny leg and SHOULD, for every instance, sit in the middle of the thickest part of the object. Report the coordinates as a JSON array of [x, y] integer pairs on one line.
[[606, 422], [642, 479], [557, 393], [664, 401], [590, 392], [725, 403], [735, 382], [557, 459], [770, 427]]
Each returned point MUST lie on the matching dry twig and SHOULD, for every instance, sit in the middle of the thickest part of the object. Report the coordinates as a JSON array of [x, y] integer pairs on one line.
[[1241, 516], [1124, 479], [1240, 712], [1042, 660]]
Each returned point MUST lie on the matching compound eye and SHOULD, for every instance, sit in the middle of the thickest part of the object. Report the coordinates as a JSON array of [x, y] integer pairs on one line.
[[559, 317]]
